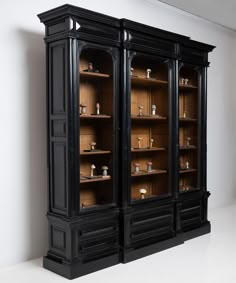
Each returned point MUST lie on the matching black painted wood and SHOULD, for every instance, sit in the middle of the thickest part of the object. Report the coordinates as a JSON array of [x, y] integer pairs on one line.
[[84, 241]]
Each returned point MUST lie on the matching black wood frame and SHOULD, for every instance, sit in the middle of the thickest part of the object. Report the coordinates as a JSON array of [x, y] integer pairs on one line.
[[84, 241]]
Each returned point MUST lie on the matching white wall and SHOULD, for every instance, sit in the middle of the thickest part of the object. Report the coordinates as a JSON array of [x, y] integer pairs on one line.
[[23, 198]]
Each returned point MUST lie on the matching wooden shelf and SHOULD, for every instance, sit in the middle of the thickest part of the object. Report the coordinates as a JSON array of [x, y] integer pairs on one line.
[[146, 197], [94, 75], [146, 117], [187, 87], [181, 119], [191, 147], [148, 82], [95, 180], [183, 171], [145, 173], [191, 189], [95, 152], [148, 149], [90, 116]]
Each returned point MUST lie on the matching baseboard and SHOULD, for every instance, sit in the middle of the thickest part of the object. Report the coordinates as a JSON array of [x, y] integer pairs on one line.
[[204, 229], [74, 270], [130, 255]]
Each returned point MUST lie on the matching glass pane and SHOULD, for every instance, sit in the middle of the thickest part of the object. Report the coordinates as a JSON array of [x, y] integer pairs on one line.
[[149, 128], [188, 130], [96, 128]]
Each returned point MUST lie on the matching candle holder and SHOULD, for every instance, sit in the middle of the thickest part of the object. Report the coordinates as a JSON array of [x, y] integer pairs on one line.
[[140, 113], [187, 141], [104, 171], [151, 143], [90, 67], [154, 108], [148, 76], [149, 166], [143, 192], [136, 167], [186, 81], [93, 144], [97, 108], [185, 114], [131, 71], [83, 109], [182, 80], [93, 167], [187, 165], [139, 142]]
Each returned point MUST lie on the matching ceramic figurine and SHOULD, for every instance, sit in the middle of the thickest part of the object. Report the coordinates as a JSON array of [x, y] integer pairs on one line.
[[151, 142], [92, 170], [187, 165], [93, 144], [140, 113], [142, 191], [149, 166], [187, 141], [186, 81], [82, 205], [148, 73], [98, 108], [136, 167], [185, 114], [154, 108], [139, 142], [104, 171], [182, 80], [131, 71], [83, 109], [90, 67]]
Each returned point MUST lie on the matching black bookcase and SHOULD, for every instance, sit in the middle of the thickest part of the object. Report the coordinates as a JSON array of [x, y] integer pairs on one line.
[[126, 120]]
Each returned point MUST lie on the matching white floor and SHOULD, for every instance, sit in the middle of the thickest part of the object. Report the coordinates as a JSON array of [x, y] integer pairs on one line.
[[207, 259]]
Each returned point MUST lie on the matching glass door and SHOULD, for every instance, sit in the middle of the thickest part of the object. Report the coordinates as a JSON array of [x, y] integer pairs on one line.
[[189, 130], [149, 130]]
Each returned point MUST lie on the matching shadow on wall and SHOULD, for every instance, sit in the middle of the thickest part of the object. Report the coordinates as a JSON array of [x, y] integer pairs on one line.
[[34, 56]]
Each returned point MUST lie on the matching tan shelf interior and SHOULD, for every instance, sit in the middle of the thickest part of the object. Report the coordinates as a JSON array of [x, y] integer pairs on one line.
[[95, 194], [96, 87], [155, 185]]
